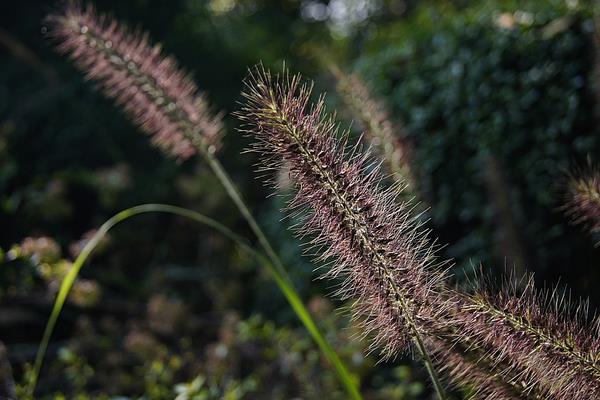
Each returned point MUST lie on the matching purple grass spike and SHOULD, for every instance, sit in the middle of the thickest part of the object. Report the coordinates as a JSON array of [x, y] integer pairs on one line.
[[385, 260], [155, 93], [387, 137]]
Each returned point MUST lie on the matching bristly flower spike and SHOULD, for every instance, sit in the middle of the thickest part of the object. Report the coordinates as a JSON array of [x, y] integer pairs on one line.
[[379, 249], [539, 336], [161, 98], [386, 136]]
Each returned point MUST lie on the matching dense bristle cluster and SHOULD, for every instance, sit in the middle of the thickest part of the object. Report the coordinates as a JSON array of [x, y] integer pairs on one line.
[[378, 248], [545, 343], [522, 343], [583, 200], [388, 138], [161, 98]]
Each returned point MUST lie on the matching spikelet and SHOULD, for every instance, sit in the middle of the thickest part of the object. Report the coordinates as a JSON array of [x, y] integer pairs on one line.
[[155, 93], [387, 137], [377, 248]]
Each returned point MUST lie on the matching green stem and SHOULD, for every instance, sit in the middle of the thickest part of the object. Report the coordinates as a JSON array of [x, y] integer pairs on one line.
[[286, 288], [236, 197]]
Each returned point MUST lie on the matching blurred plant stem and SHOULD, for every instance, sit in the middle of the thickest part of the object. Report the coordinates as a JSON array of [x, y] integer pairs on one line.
[[282, 282], [236, 197]]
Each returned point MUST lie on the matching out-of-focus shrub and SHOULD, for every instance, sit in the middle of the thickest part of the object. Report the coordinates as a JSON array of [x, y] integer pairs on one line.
[[499, 104]]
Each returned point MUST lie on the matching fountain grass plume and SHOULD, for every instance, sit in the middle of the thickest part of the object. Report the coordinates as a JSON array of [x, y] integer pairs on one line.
[[387, 137], [373, 244], [158, 95], [545, 343], [155, 93], [517, 342]]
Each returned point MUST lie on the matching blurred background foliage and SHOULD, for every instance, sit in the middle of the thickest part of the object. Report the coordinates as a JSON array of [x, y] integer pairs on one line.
[[500, 105], [498, 98]]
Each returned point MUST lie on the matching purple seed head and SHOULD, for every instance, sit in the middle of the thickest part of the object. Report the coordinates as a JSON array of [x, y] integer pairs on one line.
[[371, 241], [387, 137], [538, 338], [155, 93]]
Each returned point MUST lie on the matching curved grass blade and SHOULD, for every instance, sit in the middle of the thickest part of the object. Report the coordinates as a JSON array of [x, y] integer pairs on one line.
[[286, 288]]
